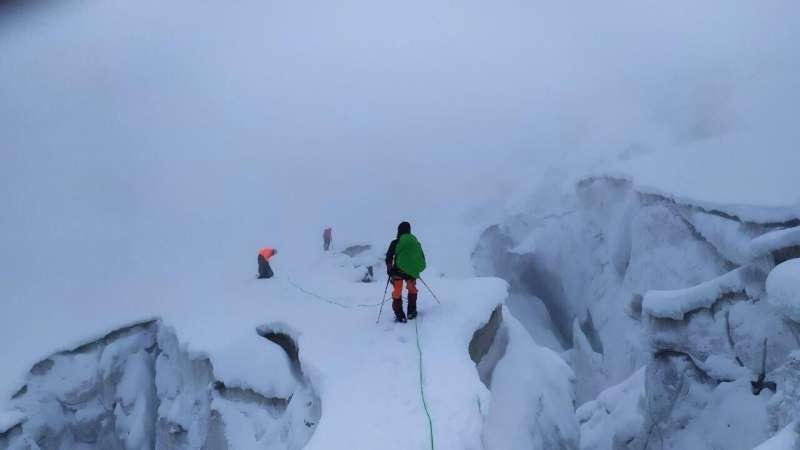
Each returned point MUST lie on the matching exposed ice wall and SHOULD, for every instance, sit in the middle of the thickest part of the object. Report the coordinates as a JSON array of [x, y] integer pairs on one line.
[[531, 389], [671, 287], [136, 388], [603, 248]]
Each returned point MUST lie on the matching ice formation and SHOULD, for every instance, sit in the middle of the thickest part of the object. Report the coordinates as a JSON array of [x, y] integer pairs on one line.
[[136, 388], [783, 286], [683, 308]]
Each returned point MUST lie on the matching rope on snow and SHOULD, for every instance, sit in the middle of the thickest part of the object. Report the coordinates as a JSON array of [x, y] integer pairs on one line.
[[419, 346], [422, 384], [328, 300]]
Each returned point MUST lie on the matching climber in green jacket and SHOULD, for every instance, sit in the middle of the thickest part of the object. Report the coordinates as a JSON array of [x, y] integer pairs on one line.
[[405, 260]]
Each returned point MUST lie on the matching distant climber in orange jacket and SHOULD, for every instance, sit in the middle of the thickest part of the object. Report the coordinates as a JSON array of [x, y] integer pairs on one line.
[[264, 270]]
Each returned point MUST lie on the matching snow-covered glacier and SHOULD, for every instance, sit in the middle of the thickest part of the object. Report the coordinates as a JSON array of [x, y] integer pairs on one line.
[[606, 194], [675, 305], [284, 367], [615, 315], [617, 311]]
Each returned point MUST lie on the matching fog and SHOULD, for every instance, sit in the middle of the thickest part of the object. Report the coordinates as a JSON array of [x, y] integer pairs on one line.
[[146, 144]]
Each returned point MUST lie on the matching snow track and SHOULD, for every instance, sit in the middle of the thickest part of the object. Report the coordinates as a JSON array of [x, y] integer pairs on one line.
[[402, 380], [291, 349], [290, 363], [422, 383]]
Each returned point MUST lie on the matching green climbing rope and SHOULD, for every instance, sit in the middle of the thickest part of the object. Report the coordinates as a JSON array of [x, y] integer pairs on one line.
[[422, 384], [419, 349], [329, 300]]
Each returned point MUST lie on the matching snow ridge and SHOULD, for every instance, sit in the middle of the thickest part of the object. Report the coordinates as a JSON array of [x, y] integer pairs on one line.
[[675, 304]]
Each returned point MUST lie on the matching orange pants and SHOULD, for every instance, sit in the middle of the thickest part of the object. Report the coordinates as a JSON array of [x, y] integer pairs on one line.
[[397, 287]]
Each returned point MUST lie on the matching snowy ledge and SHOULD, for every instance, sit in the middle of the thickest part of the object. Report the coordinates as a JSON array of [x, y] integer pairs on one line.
[[786, 439], [10, 419], [774, 241], [676, 304], [750, 174], [760, 214], [783, 288]]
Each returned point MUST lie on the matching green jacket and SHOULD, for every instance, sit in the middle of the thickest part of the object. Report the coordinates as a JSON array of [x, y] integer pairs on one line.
[[408, 255]]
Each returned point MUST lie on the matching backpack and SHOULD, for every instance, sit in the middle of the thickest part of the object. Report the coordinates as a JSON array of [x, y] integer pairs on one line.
[[409, 256]]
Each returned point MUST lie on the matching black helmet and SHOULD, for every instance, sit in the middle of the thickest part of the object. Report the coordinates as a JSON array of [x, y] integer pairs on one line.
[[403, 228]]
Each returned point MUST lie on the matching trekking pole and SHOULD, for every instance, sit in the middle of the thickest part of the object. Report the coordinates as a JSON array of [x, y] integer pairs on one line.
[[429, 290], [384, 299]]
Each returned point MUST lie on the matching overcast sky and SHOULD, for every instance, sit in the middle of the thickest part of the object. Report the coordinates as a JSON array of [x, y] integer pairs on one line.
[[144, 139]]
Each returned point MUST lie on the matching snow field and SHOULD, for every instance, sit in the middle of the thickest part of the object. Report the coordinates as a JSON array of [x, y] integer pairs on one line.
[[309, 339]]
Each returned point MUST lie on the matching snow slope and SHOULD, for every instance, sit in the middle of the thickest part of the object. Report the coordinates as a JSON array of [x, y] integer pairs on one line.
[[366, 375]]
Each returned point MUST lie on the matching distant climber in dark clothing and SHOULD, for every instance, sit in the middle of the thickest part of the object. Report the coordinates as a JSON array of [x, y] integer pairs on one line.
[[327, 235], [264, 269], [369, 275], [405, 260]]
